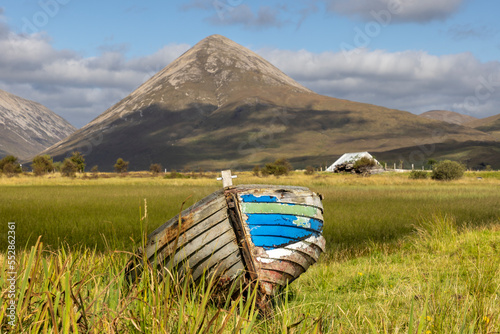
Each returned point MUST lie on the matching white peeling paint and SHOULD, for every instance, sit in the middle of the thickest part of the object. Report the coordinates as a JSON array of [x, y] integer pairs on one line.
[[269, 256]]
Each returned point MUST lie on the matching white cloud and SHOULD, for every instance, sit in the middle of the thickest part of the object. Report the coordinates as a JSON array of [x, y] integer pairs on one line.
[[413, 80], [400, 10], [75, 87]]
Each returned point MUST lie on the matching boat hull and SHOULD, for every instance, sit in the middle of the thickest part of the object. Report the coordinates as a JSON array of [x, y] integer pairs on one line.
[[266, 235]]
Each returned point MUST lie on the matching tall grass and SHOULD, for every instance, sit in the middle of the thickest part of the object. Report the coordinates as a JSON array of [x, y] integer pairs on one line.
[[442, 279], [85, 291], [403, 256], [103, 212]]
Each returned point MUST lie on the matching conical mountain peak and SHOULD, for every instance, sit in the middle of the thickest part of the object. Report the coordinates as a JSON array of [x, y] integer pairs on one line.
[[215, 71], [224, 61]]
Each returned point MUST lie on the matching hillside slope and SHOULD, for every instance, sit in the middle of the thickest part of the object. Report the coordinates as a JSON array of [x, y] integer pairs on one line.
[[489, 125]]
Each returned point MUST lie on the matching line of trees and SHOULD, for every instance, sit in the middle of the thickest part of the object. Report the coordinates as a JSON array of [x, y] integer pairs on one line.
[[44, 164]]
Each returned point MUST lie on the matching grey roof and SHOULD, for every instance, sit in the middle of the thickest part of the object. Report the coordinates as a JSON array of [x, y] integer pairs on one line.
[[349, 157]]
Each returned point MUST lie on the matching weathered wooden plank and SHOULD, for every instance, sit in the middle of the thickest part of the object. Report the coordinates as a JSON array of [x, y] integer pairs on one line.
[[276, 277], [199, 225], [311, 250], [229, 268], [191, 217], [210, 248], [281, 254], [304, 197], [197, 231], [218, 257], [318, 242], [293, 265], [196, 244], [238, 268]]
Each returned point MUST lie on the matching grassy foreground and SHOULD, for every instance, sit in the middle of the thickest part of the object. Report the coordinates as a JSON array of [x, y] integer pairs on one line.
[[403, 257]]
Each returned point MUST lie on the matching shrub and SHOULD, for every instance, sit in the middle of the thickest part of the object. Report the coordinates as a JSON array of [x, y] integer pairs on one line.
[[121, 166], [9, 169], [277, 168], [175, 175], [363, 165], [42, 164], [10, 166], [78, 160], [57, 165], [447, 170], [69, 168], [418, 175], [155, 169], [309, 170], [431, 162]]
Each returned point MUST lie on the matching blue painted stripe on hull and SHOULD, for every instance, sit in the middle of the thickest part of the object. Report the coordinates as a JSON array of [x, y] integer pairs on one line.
[[284, 220], [258, 199], [272, 242], [281, 231]]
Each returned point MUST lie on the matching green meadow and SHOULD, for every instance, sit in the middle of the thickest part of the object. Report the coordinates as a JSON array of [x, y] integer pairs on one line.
[[403, 256]]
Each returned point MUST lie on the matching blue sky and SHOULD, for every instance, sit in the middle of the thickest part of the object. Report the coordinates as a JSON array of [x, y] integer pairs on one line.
[[80, 57]]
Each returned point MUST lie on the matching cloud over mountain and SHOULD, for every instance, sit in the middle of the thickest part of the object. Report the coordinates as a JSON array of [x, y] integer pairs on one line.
[[412, 80]]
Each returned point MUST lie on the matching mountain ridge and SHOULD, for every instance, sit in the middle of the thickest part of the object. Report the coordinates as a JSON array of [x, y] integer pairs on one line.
[[448, 116], [489, 125], [27, 127], [221, 105]]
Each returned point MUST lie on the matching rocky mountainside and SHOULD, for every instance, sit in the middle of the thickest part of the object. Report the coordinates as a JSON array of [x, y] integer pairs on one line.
[[221, 105], [28, 127], [448, 116]]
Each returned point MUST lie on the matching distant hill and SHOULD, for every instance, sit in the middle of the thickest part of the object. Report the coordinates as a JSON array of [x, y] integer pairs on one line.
[[448, 116], [220, 105], [489, 125], [28, 127]]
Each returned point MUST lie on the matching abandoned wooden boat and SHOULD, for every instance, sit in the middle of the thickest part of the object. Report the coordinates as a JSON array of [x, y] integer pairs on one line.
[[265, 234]]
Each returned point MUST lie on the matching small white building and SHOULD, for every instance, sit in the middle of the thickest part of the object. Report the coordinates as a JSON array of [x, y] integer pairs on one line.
[[350, 158]]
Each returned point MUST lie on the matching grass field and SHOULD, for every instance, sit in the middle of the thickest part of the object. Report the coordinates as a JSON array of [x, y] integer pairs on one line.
[[403, 256]]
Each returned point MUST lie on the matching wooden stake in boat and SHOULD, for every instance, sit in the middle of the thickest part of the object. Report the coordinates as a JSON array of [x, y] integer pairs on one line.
[[227, 178]]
